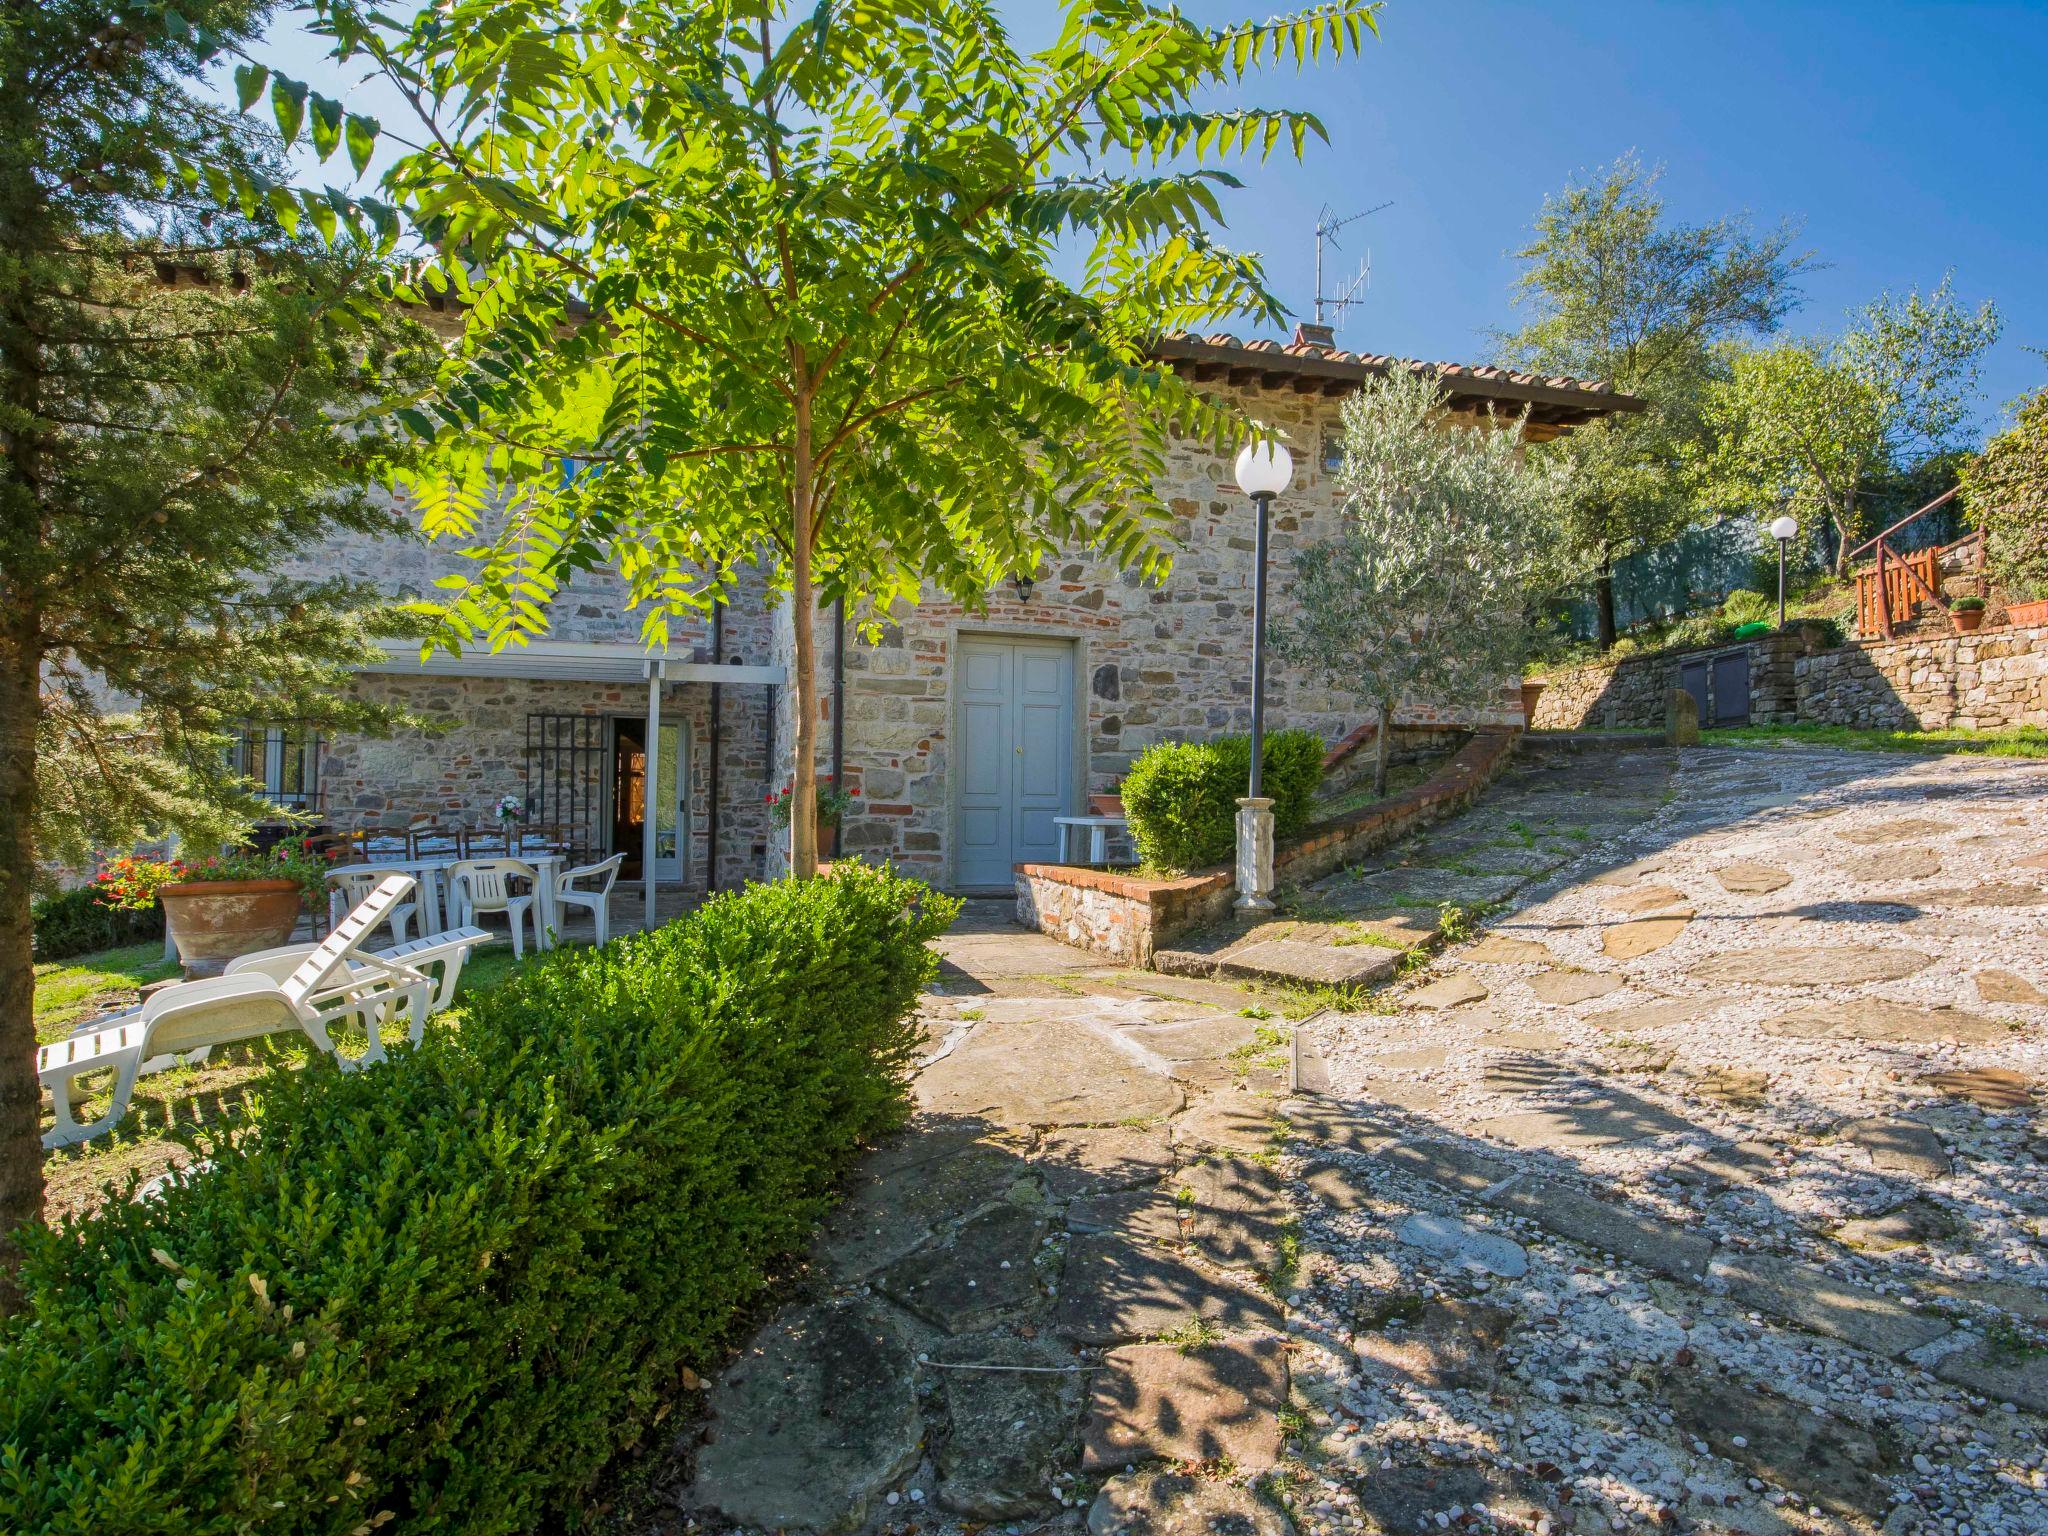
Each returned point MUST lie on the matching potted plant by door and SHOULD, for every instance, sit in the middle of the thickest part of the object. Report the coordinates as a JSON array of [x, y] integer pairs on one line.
[[1968, 613], [833, 803], [220, 907]]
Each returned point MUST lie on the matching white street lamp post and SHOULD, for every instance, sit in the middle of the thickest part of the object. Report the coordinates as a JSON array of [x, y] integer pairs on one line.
[[1783, 530], [1263, 472]]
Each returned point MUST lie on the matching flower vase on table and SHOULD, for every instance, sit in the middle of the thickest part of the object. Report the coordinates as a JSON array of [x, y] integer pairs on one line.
[[510, 811]]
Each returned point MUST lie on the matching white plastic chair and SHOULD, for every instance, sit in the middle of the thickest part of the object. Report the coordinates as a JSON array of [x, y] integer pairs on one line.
[[326, 987], [598, 901], [484, 886], [351, 885]]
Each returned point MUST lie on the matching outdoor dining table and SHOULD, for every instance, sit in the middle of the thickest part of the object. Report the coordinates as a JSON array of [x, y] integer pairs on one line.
[[432, 872]]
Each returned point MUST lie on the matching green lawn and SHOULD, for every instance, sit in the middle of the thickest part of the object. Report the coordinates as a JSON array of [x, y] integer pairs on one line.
[[69, 990], [2014, 741]]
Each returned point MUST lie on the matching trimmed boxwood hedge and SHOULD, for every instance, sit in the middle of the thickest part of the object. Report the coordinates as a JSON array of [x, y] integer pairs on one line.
[[444, 1293], [1180, 797]]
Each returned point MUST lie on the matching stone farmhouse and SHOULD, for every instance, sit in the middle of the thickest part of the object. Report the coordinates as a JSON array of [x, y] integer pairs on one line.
[[965, 732]]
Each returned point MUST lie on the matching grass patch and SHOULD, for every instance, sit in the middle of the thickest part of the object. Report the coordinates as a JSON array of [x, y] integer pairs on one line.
[[1356, 935], [2013, 741], [69, 991], [1192, 1335]]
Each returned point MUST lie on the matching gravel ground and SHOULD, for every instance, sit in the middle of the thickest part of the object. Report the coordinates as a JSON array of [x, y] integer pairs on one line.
[[1831, 1066]]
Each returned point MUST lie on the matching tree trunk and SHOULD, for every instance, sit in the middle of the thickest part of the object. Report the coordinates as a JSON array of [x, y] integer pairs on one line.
[[1381, 748], [21, 1148], [1603, 604], [803, 613]]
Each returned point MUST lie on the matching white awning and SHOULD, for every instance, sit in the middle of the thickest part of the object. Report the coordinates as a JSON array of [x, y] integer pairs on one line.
[[582, 661]]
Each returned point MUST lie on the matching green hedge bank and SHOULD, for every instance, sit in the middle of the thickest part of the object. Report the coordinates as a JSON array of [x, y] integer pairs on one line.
[[443, 1294], [1181, 796]]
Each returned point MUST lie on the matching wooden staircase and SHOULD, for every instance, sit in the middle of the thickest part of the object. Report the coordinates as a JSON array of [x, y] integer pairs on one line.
[[1893, 589]]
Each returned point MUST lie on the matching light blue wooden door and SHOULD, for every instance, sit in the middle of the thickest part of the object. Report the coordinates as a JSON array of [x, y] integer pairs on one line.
[[1016, 755]]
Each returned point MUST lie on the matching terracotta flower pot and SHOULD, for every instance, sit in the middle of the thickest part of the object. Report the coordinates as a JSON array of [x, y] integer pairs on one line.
[[2024, 614], [1105, 805], [213, 921], [1967, 619], [1531, 692]]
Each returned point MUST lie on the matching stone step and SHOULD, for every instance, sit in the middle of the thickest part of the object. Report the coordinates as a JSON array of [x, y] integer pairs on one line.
[[1790, 1290]]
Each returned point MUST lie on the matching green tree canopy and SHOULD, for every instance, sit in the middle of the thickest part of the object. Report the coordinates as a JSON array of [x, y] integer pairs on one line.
[[787, 276], [2005, 489], [1444, 533], [177, 374], [1811, 426], [1618, 290]]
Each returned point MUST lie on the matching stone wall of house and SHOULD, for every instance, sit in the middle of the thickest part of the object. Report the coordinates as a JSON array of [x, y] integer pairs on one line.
[[1982, 681], [472, 750], [1157, 661]]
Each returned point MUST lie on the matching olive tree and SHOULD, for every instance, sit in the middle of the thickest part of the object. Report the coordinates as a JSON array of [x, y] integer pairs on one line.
[[1444, 534]]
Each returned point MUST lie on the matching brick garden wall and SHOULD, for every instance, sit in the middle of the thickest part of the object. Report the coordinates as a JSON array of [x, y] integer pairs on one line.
[[1127, 918]]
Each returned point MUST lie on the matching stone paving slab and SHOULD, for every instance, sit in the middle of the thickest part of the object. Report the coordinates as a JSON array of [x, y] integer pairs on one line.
[[886, 1218], [980, 1274], [1814, 1300], [1867, 1018], [2004, 1376], [1651, 1244], [1236, 1213], [1088, 1159], [1116, 1289], [1007, 1430], [1899, 1146], [999, 1074], [1234, 1122], [1215, 1402], [812, 1424], [1177, 1504], [1814, 966]]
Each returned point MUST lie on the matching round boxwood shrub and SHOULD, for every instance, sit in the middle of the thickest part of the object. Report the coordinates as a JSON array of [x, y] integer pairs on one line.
[[443, 1294], [1181, 796]]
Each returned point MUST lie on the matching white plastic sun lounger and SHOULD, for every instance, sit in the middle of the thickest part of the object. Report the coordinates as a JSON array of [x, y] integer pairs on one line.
[[448, 950], [325, 988]]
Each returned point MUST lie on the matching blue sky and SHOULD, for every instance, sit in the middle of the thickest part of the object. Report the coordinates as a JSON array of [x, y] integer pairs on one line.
[[1903, 137]]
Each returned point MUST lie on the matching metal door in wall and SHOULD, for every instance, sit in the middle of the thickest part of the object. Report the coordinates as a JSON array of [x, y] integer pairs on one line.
[[1692, 677], [1015, 712], [1731, 688]]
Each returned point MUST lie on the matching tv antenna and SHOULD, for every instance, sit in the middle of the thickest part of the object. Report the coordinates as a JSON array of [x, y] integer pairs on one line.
[[1326, 233]]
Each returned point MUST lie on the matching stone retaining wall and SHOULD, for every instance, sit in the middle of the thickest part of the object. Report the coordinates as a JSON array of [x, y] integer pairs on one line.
[[1126, 917], [1983, 681], [1986, 681], [1630, 695]]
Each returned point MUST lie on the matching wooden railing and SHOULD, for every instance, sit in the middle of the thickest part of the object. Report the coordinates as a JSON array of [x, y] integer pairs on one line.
[[1892, 585]]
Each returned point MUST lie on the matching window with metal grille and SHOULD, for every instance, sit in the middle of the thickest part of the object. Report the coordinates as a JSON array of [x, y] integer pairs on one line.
[[284, 762]]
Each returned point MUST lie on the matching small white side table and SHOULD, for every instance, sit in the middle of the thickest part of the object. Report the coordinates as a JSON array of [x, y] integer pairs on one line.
[[1099, 828]]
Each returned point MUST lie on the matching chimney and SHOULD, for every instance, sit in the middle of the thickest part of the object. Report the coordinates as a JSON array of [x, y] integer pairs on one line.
[[1312, 334]]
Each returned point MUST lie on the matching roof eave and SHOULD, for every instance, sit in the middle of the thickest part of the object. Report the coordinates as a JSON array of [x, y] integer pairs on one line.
[[1312, 372]]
